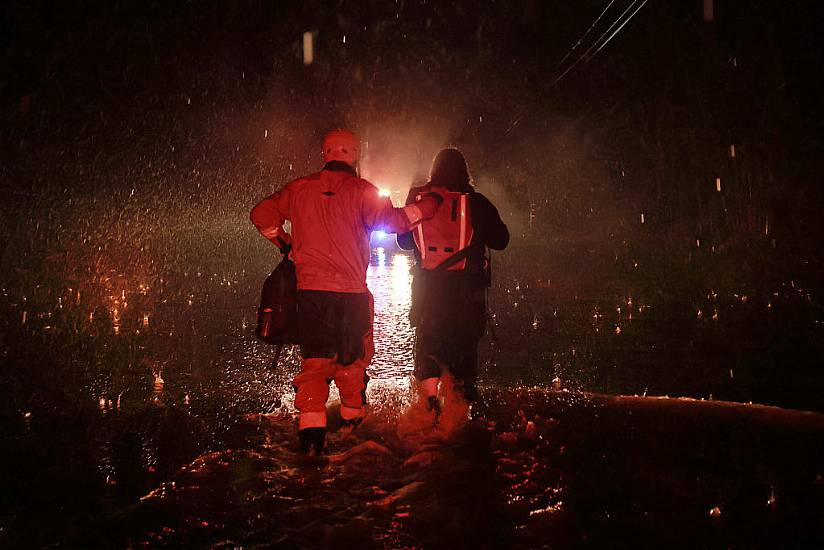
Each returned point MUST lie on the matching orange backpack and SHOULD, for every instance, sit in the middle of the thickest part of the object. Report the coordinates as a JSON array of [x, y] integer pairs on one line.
[[447, 233]]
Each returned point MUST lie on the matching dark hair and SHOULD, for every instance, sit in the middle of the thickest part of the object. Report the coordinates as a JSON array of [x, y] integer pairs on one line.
[[449, 170]]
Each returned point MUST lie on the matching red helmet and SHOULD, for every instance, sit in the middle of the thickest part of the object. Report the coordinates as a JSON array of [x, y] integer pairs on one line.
[[341, 145]]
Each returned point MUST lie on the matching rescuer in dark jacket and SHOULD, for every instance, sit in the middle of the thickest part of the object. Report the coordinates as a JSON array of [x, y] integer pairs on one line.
[[451, 276], [332, 214]]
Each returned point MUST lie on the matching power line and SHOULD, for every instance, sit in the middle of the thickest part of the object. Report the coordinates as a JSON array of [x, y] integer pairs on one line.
[[583, 36], [586, 55], [618, 29]]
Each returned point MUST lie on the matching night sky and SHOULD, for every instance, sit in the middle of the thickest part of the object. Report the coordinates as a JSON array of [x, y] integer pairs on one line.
[[190, 85]]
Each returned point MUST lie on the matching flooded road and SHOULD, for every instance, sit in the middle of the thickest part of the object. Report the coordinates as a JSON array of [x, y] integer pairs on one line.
[[532, 469], [184, 434]]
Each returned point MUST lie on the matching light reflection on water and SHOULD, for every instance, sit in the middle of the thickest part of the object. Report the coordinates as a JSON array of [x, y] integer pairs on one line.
[[247, 362], [390, 282]]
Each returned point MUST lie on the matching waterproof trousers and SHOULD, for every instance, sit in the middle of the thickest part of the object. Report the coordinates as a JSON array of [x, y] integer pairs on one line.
[[449, 315], [335, 336]]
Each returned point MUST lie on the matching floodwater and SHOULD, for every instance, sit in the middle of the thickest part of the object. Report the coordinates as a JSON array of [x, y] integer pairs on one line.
[[201, 453]]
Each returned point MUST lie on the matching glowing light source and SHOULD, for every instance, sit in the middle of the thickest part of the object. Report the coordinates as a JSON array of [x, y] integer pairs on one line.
[[383, 192]]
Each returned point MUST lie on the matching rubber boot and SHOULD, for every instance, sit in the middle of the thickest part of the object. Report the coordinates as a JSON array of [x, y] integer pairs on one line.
[[312, 441], [348, 425]]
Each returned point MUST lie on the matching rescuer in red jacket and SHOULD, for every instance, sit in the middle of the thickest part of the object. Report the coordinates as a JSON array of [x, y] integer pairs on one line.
[[332, 214], [451, 276]]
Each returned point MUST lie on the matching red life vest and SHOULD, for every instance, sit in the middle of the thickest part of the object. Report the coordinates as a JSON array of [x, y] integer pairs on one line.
[[448, 232]]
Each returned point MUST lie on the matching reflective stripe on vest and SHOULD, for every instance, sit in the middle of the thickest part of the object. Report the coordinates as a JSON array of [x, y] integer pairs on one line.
[[447, 232]]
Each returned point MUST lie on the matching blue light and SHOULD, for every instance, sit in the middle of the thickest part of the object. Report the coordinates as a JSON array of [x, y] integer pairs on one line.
[[380, 238]]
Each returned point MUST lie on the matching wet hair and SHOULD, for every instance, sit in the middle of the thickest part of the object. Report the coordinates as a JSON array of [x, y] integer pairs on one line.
[[449, 170]]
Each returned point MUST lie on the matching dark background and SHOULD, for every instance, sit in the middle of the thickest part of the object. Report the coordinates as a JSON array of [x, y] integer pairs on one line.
[[137, 135]]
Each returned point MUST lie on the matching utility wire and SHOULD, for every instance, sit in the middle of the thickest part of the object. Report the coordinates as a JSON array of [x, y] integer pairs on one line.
[[585, 56], [618, 29], [611, 2], [597, 43]]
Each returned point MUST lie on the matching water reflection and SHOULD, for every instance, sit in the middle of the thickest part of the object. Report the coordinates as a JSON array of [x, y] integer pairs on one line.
[[390, 281]]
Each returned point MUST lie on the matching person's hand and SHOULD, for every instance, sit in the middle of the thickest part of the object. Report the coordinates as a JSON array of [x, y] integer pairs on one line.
[[284, 243], [429, 204]]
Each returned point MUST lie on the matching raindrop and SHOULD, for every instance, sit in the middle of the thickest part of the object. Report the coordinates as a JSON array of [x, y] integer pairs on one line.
[[772, 500], [308, 48]]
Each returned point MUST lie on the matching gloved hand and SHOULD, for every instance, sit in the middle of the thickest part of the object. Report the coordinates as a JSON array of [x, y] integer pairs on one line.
[[284, 243], [428, 204]]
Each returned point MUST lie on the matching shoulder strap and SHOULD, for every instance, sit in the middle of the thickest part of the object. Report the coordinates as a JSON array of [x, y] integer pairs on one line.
[[453, 259]]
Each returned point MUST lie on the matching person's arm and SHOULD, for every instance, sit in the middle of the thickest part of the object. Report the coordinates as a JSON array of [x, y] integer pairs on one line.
[[406, 240], [488, 223], [268, 216], [379, 213]]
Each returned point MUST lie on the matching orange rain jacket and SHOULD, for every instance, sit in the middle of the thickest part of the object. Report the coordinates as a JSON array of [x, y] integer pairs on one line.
[[332, 213]]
